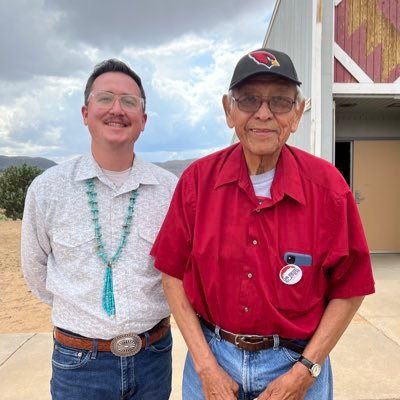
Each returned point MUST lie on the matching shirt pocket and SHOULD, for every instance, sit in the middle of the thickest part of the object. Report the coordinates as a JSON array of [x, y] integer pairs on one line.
[[147, 237], [298, 297], [137, 252], [148, 226], [71, 244]]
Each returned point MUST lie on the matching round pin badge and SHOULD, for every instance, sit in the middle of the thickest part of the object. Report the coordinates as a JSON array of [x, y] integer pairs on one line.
[[290, 274]]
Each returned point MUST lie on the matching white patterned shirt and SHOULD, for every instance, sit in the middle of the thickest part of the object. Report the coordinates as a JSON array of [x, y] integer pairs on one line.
[[59, 255]]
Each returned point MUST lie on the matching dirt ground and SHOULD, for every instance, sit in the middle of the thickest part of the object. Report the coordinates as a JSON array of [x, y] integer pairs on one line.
[[20, 311]]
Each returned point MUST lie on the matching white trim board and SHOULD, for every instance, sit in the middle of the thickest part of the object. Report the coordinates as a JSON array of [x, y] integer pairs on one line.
[[377, 89], [350, 65], [271, 22], [316, 86]]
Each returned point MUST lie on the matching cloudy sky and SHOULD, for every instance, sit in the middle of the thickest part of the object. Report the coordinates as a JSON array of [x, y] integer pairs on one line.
[[185, 52]]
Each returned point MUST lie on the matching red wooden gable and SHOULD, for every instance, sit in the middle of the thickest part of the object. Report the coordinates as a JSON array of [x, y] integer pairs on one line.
[[369, 33]]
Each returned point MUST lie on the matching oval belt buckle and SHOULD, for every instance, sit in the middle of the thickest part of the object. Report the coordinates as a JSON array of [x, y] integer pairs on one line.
[[126, 345]]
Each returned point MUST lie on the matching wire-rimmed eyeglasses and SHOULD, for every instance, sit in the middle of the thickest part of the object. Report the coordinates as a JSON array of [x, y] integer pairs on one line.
[[129, 102]]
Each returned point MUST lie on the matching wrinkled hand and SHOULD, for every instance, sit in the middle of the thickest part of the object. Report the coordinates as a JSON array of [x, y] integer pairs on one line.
[[292, 385], [218, 385]]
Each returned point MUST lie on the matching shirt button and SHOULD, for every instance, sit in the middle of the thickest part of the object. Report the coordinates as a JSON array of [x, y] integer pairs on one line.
[[255, 242], [246, 309], [250, 275]]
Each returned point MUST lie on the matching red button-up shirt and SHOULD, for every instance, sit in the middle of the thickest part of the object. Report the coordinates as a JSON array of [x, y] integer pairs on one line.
[[228, 248]]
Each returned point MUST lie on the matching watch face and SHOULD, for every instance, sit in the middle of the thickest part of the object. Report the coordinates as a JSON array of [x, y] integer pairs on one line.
[[315, 370]]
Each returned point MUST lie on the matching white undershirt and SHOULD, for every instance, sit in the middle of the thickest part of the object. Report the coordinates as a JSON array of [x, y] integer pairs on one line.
[[262, 183], [118, 178]]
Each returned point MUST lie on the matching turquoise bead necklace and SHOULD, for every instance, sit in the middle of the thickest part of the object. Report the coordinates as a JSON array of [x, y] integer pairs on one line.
[[108, 293]]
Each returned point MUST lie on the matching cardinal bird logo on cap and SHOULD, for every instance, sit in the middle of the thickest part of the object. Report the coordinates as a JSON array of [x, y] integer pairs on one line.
[[264, 58]]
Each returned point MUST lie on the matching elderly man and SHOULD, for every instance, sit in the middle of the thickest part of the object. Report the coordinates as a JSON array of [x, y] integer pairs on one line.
[[87, 231], [263, 255]]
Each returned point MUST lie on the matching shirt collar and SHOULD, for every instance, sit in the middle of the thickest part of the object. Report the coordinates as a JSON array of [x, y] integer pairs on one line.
[[141, 173], [233, 167], [287, 176]]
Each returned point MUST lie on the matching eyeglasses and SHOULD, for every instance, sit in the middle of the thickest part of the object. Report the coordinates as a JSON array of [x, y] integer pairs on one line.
[[277, 104], [129, 102]]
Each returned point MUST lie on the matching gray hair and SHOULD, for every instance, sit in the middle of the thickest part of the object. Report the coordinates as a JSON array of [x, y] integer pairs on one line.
[[299, 97]]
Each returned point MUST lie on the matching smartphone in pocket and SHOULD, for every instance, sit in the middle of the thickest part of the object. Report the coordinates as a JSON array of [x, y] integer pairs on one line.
[[304, 260]]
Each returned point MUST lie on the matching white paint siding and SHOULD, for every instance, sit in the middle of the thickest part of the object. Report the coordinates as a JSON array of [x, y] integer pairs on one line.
[[294, 30]]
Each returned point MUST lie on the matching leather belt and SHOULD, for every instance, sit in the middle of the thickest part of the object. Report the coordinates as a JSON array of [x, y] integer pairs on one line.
[[254, 342], [122, 346]]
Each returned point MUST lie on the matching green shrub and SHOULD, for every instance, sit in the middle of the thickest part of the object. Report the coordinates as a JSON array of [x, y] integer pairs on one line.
[[14, 182], [3, 215]]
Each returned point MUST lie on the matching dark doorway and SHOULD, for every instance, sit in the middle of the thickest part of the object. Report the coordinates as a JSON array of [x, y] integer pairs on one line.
[[343, 159]]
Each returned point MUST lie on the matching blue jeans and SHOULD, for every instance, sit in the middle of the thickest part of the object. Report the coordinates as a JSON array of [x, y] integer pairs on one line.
[[100, 375], [253, 371]]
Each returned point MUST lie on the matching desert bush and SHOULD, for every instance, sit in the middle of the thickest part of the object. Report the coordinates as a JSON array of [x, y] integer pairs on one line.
[[3, 215], [14, 182]]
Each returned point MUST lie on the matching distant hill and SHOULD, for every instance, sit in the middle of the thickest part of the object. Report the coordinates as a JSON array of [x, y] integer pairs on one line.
[[174, 166], [42, 163]]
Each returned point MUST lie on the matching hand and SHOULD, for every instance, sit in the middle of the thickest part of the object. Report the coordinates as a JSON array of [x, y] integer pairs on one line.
[[292, 385], [218, 385]]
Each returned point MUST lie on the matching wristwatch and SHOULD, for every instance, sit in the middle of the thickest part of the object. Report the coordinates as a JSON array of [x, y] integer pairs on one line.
[[314, 368]]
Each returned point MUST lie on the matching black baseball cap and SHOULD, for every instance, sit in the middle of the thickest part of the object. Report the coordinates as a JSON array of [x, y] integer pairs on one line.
[[263, 62]]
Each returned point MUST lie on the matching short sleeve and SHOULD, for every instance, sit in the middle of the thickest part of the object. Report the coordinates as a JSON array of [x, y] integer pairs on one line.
[[173, 245], [350, 271]]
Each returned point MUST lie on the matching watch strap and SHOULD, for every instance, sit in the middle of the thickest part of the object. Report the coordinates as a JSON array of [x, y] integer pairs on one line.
[[306, 362], [314, 368]]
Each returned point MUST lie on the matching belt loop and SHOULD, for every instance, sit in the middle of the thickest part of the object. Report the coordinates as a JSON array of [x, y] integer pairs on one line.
[[94, 350], [147, 337], [217, 333], [276, 342]]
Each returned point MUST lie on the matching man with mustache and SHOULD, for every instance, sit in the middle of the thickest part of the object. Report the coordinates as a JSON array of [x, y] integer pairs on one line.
[[87, 231]]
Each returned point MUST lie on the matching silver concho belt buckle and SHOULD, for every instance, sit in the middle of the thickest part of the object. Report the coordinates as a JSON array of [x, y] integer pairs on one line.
[[126, 345]]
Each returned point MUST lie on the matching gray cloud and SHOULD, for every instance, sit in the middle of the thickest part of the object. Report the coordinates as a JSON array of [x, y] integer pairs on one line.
[[55, 37], [49, 47], [142, 23], [30, 45]]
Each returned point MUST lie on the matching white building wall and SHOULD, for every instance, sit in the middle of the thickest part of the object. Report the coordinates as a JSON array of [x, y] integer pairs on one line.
[[299, 28], [359, 126]]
